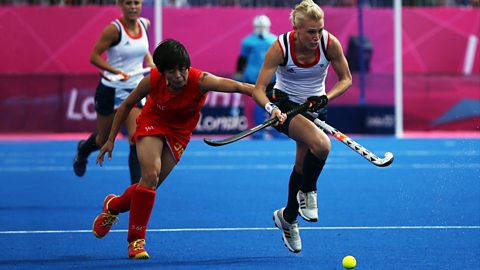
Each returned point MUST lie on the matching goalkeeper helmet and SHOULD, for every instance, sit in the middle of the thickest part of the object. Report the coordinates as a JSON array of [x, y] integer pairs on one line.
[[261, 25]]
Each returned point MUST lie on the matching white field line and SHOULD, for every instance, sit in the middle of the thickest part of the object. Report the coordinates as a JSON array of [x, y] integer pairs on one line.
[[341, 228], [45, 161]]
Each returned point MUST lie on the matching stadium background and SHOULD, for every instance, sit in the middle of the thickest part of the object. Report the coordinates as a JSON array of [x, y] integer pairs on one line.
[[422, 212], [47, 83]]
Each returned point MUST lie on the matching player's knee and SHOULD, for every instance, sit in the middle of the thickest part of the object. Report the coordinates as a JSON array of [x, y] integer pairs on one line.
[[321, 150], [150, 178], [299, 167]]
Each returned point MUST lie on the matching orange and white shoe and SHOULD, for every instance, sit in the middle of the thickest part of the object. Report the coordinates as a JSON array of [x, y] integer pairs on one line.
[[103, 222], [136, 250]]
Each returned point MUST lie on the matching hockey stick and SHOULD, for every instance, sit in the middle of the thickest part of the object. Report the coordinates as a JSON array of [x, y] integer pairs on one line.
[[250, 131], [375, 160], [118, 77]]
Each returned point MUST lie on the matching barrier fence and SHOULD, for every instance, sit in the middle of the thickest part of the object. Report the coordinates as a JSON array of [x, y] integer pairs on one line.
[[47, 83]]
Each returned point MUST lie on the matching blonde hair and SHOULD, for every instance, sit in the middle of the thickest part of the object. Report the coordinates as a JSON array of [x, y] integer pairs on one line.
[[306, 10]]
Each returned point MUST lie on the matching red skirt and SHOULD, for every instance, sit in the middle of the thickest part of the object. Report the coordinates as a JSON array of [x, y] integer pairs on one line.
[[177, 142]]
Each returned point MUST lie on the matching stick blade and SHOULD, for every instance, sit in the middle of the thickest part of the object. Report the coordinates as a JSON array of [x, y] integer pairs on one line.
[[212, 142], [387, 160], [232, 139]]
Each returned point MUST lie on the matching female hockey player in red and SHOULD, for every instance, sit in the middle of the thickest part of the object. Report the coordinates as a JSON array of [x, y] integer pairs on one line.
[[177, 93]]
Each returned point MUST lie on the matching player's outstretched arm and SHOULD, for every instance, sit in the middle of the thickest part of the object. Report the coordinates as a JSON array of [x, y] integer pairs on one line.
[[210, 82]]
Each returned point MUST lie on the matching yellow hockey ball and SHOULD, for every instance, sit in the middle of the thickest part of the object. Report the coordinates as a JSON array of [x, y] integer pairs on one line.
[[349, 262]]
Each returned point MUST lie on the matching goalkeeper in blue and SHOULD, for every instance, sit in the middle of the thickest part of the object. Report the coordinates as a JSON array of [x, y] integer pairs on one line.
[[250, 61], [300, 60]]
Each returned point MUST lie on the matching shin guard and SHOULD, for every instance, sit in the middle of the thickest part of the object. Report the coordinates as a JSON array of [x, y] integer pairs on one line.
[[291, 210], [312, 167], [121, 204], [141, 207], [88, 146]]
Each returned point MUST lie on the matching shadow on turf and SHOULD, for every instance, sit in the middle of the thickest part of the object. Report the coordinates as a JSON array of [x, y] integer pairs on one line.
[[226, 261], [65, 261]]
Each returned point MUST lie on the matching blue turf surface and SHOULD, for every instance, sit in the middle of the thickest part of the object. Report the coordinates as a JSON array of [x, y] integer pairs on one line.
[[214, 211]]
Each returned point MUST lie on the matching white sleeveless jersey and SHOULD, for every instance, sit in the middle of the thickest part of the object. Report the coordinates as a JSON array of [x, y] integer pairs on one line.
[[128, 54], [301, 81]]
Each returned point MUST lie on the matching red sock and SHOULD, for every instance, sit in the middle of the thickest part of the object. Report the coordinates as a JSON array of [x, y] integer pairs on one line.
[[121, 203], [140, 210]]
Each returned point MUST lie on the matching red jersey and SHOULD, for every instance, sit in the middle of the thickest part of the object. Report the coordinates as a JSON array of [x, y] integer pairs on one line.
[[174, 115]]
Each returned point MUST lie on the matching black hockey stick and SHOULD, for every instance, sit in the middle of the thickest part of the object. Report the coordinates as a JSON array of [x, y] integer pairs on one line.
[[250, 131], [375, 160]]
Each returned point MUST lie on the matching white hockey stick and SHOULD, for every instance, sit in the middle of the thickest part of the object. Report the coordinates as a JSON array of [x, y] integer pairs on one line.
[[375, 160], [118, 77]]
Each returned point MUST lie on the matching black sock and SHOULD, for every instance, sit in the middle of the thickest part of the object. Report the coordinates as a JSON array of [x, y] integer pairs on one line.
[[312, 167], [291, 210], [88, 146], [134, 165]]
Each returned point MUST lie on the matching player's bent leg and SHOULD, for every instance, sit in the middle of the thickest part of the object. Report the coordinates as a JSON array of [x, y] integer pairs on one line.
[[290, 232], [313, 147], [162, 161], [143, 196], [104, 221]]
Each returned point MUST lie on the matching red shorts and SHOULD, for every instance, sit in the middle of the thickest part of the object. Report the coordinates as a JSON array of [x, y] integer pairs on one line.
[[176, 142]]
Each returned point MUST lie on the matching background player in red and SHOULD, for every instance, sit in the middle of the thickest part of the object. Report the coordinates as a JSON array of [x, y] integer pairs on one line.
[[125, 42], [177, 93]]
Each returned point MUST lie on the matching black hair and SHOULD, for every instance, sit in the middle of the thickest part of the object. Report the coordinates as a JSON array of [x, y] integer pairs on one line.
[[171, 54]]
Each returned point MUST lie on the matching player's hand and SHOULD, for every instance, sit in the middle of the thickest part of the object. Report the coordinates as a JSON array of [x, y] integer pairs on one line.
[[124, 75], [317, 102], [106, 148], [279, 115]]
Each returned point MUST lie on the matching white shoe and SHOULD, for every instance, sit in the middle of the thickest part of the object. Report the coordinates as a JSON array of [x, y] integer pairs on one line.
[[308, 205], [290, 231]]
